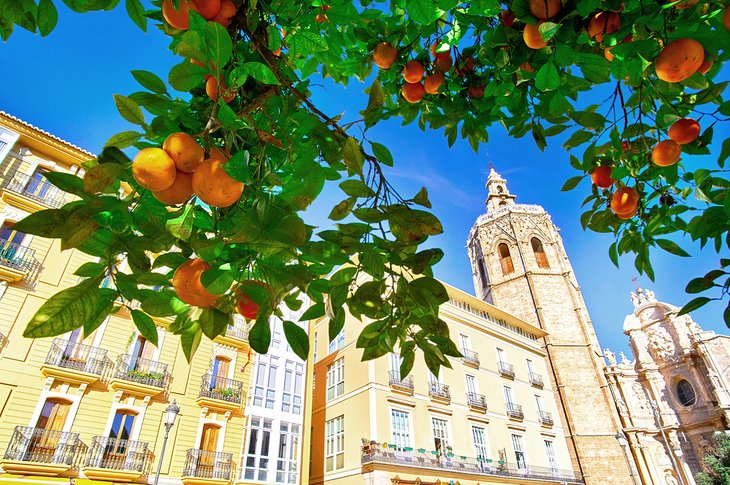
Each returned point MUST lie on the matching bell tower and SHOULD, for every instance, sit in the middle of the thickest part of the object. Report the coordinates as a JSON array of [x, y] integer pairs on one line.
[[520, 265]]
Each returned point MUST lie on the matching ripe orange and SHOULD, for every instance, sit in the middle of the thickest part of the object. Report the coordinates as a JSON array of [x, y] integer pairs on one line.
[[413, 92], [206, 8], [439, 55], [177, 18], [321, 17], [445, 64], [508, 18], [679, 60], [601, 176], [226, 13], [685, 4], [726, 18], [532, 36], [684, 131], [213, 90], [180, 191], [666, 153], [526, 66], [413, 71], [384, 55], [213, 185], [153, 169], [433, 82], [187, 285], [464, 65], [704, 67], [603, 23], [545, 9], [476, 92], [625, 202], [244, 304], [184, 151]]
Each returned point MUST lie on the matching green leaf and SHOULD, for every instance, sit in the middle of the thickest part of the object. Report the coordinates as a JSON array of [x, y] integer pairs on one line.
[[356, 188], [67, 182], [698, 285], [423, 11], [382, 154], [218, 44], [352, 155], [47, 17], [571, 183], [185, 76], [162, 303], [237, 167], [145, 325], [104, 307], [421, 198], [214, 322], [47, 223], [376, 100], [672, 247], [100, 178], [693, 305], [259, 337], [577, 138], [217, 281], [297, 338], [342, 210], [303, 42], [129, 110], [150, 80], [64, 311], [181, 226], [123, 140], [91, 270], [190, 340], [548, 78], [257, 70], [313, 312], [135, 10]]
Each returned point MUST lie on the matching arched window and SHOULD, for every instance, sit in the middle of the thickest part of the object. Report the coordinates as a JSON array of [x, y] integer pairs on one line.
[[685, 393], [502, 202], [505, 259], [539, 251]]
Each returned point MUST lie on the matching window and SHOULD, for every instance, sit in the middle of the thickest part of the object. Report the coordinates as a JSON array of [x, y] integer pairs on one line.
[[508, 396], [121, 430], [219, 373], [471, 384], [257, 454], [315, 347], [480, 442], [53, 415], [505, 259], [265, 388], [520, 456], [291, 399], [142, 351], [440, 435], [338, 342], [685, 393], [538, 402], [465, 344], [550, 452], [336, 378], [10, 243], [275, 338], [288, 457], [400, 429], [539, 251], [501, 358], [335, 444], [530, 366], [395, 362]]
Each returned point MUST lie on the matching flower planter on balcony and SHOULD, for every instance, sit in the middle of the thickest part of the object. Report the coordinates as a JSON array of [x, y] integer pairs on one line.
[[142, 377], [18, 262], [220, 393]]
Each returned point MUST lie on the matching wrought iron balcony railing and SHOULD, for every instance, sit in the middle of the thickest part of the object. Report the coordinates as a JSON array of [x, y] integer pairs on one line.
[[20, 258], [237, 331], [3, 341], [73, 355], [36, 187], [546, 418], [422, 459], [536, 379], [40, 445], [439, 391], [515, 411], [469, 357], [223, 389], [209, 464], [402, 384], [143, 371], [506, 369], [116, 454], [476, 401]]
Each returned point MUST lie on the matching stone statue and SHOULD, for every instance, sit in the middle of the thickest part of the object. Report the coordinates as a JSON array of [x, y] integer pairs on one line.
[[669, 478], [625, 362], [661, 345], [610, 356]]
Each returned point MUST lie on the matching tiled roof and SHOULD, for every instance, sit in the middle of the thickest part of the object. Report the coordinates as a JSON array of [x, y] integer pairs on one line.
[[60, 140]]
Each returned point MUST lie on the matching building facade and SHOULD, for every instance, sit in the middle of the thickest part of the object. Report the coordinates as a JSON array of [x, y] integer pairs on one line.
[[519, 263], [92, 409], [488, 420], [673, 395]]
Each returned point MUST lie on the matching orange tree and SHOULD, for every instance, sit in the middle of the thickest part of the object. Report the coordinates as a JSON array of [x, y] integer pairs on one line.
[[210, 210]]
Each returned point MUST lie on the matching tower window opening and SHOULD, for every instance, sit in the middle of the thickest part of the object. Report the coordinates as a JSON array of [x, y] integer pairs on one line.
[[503, 202], [685, 393], [505, 259], [539, 251]]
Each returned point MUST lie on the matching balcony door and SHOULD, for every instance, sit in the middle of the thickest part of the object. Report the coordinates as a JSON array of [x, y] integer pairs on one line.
[[116, 451], [39, 187], [208, 447], [219, 374], [47, 439], [142, 349], [10, 242]]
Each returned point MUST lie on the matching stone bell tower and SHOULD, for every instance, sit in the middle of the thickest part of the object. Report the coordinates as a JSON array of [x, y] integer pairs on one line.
[[519, 264]]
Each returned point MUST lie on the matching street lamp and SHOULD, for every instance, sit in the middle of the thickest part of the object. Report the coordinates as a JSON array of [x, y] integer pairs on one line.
[[623, 443], [171, 413]]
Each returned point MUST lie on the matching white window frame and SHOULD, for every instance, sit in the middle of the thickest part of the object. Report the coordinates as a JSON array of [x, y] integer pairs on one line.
[[551, 456], [338, 342], [260, 467], [465, 341], [530, 366], [334, 443], [481, 449], [538, 402], [288, 444], [441, 432], [472, 386], [508, 396], [501, 356], [401, 438], [336, 379], [518, 446]]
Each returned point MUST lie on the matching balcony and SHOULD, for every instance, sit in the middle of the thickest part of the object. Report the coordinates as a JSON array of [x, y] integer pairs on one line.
[[118, 460], [236, 335], [37, 451], [400, 385], [460, 467], [18, 262], [439, 392], [507, 370], [476, 402], [514, 411], [546, 419], [142, 377], [204, 467], [75, 362], [3, 342], [36, 190], [218, 392], [536, 380], [470, 358]]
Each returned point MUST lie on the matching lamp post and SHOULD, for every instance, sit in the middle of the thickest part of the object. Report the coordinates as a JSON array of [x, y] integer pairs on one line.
[[624, 442], [171, 413]]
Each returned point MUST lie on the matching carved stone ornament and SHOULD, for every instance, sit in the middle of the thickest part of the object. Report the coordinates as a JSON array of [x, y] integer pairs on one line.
[[660, 345]]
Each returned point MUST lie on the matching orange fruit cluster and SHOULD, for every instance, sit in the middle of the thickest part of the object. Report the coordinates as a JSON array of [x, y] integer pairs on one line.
[[220, 11], [625, 202]]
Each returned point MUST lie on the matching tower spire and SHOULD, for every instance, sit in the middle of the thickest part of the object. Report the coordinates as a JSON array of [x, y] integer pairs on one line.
[[498, 194]]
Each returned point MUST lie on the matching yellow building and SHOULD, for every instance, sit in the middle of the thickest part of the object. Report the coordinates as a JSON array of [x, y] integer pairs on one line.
[[93, 409], [489, 419]]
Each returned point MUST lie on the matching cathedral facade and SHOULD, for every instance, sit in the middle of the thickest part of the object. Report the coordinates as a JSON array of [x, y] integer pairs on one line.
[[673, 395]]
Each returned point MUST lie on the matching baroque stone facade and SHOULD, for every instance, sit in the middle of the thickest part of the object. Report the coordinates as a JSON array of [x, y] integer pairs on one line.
[[519, 264], [674, 394]]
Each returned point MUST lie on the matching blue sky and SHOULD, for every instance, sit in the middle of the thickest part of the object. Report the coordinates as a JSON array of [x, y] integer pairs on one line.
[[64, 84]]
